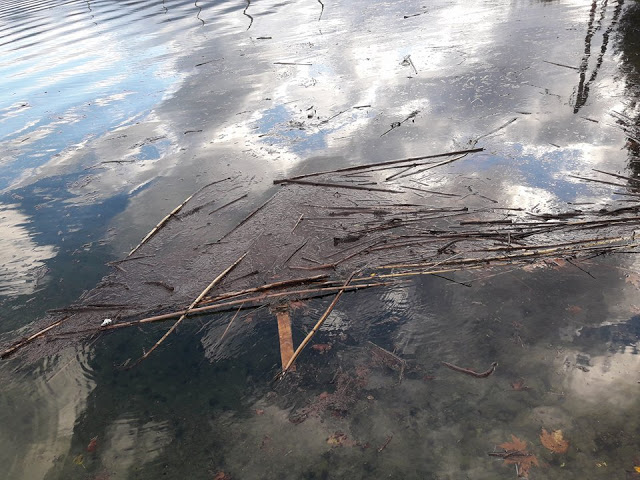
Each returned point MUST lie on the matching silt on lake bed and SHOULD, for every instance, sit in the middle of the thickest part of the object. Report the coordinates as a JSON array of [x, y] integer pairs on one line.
[[450, 237]]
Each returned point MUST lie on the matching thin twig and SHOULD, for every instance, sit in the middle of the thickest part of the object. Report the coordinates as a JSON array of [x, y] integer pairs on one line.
[[472, 372], [295, 251], [247, 218], [337, 185], [298, 222], [228, 203], [384, 445], [227, 329]]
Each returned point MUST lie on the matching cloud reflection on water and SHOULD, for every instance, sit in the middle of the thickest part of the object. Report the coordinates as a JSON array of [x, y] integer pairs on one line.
[[22, 260]]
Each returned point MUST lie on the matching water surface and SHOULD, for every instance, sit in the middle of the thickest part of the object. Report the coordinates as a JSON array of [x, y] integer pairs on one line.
[[111, 113]]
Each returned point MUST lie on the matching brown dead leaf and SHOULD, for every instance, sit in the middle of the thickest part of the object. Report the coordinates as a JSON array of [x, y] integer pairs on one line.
[[525, 464], [515, 445], [93, 445], [531, 267], [259, 411], [221, 476], [554, 441], [298, 305], [321, 347], [574, 309], [559, 263], [515, 453], [633, 279], [519, 385], [339, 439]]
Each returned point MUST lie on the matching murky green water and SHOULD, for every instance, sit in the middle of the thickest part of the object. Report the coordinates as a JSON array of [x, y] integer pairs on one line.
[[110, 114]]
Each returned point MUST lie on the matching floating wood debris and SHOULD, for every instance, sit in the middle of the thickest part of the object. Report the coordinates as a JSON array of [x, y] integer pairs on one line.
[[379, 164], [285, 336], [311, 334], [331, 232]]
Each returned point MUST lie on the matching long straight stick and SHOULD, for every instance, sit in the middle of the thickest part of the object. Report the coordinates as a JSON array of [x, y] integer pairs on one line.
[[379, 164]]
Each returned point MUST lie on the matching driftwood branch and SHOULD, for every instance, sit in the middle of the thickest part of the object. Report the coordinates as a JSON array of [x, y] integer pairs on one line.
[[247, 303], [337, 185], [269, 286]]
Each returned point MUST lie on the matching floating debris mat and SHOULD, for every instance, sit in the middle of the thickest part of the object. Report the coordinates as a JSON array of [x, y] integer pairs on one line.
[[323, 234]]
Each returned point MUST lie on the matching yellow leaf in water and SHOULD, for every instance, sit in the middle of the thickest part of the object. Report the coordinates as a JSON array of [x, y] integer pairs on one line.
[[554, 441], [79, 460], [637, 469], [339, 439]]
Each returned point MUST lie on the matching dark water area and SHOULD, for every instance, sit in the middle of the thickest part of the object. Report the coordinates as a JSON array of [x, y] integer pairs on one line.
[[112, 113]]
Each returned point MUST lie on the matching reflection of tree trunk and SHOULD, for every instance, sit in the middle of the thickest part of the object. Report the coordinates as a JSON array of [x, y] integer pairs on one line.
[[580, 96], [584, 85], [628, 44]]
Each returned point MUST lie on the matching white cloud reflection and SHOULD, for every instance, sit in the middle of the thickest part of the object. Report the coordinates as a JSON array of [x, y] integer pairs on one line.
[[22, 260]]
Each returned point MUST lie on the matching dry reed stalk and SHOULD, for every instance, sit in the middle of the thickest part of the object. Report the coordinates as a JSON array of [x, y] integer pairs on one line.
[[234, 303], [14, 348], [219, 342], [247, 218], [379, 164], [338, 185], [524, 255], [190, 308], [173, 212], [311, 334], [269, 286]]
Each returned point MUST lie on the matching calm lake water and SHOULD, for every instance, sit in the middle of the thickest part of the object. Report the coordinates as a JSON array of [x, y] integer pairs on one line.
[[113, 112]]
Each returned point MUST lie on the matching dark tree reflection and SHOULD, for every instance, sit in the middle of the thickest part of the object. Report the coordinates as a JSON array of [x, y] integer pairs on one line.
[[597, 21], [628, 47]]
